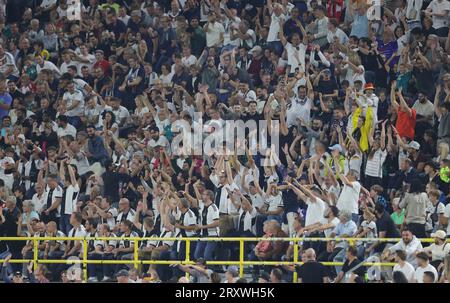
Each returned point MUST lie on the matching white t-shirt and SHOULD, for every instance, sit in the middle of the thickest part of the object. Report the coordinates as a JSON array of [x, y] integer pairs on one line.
[[438, 7], [50, 66], [447, 215], [213, 33], [296, 57], [351, 76], [69, 130], [70, 98], [7, 178], [407, 270], [79, 232], [411, 6], [39, 202], [298, 110], [314, 213], [88, 57], [6, 61], [418, 275], [274, 28], [189, 60], [348, 200], [340, 34], [274, 202], [64, 67]]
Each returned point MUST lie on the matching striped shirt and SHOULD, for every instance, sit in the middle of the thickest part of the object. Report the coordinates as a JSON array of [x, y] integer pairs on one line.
[[374, 166]]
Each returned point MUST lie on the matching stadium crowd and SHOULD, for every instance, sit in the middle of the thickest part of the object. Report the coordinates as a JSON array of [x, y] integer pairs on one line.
[[356, 95]]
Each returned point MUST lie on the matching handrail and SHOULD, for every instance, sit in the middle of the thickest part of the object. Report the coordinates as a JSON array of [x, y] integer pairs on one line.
[[241, 262], [231, 239]]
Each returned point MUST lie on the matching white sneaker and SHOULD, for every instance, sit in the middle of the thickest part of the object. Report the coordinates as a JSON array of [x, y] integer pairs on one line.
[[93, 279], [106, 279]]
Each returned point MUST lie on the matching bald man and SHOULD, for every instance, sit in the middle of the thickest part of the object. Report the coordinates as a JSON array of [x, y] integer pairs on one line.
[[311, 271]]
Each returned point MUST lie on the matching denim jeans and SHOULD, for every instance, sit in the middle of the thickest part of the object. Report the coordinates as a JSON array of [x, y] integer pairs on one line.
[[64, 224], [205, 250], [3, 255]]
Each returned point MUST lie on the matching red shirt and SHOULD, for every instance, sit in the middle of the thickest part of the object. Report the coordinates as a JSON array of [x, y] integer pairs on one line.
[[406, 124], [103, 65]]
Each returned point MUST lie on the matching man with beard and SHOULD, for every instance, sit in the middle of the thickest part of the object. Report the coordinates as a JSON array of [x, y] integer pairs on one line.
[[425, 112], [64, 128], [96, 149], [158, 140]]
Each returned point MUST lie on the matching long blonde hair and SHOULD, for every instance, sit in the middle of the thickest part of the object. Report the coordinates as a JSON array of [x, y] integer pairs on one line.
[[446, 269]]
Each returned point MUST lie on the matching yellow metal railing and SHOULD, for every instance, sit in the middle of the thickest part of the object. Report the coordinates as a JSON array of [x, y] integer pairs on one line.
[[241, 262]]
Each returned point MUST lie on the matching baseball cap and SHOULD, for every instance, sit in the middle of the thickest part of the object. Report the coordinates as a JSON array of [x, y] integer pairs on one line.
[[265, 276], [414, 145], [369, 86], [327, 71], [233, 270], [439, 234], [336, 147], [256, 48], [122, 273]]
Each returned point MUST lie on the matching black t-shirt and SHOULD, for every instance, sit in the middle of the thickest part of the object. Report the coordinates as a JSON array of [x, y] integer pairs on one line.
[[369, 61], [327, 87], [111, 183], [312, 272], [386, 224], [3, 246], [133, 74], [360, 271], [11, 220]]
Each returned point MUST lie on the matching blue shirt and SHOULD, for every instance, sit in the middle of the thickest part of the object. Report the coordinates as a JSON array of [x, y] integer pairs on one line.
[[360, 27], [5, 99], [349, 228]]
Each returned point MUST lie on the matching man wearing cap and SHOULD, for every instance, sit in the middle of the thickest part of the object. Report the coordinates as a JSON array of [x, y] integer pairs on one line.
[[439, 249], [368, 98], [418, 160], [123, 276]]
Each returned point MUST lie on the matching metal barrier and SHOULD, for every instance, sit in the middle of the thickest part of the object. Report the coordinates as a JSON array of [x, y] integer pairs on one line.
[[241, 263]]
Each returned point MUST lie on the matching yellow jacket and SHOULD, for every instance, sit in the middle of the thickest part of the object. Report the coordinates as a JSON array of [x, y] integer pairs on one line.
[[365, 129]]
